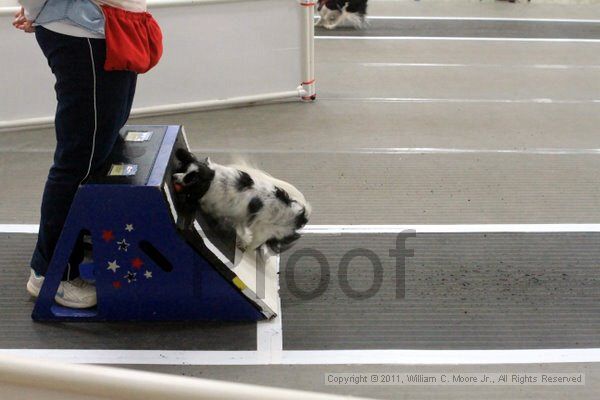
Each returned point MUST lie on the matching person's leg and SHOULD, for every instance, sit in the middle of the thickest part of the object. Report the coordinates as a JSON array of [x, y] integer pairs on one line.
[[92, 106]]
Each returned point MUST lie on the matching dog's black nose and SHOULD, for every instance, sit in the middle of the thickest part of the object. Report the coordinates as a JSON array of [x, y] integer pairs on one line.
[[301, 219]]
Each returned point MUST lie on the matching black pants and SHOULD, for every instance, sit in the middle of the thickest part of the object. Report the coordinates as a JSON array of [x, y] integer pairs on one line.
[[93, 105]]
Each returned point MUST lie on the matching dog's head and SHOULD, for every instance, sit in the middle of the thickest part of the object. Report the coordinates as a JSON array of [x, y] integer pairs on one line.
[[192, 177], [291, 212], [289, 235], [276, 219]]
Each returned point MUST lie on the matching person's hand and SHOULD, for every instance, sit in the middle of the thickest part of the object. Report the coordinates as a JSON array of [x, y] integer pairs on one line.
[[22, 23]]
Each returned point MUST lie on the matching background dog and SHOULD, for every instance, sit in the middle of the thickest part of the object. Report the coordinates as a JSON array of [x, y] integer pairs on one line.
[[336, 12], [263, 210]]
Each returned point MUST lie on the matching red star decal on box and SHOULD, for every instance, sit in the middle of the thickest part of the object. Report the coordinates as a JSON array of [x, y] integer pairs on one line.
[[137, 263], [117, 284], [107, 236]]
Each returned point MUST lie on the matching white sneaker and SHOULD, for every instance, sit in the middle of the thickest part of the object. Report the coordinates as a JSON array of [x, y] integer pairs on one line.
[[76, 293]]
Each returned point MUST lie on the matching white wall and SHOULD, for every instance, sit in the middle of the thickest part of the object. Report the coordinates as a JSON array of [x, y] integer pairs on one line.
[[213, 51]]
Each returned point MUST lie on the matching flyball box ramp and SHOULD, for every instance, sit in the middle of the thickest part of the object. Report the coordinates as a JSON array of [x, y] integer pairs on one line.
[[148, 264]]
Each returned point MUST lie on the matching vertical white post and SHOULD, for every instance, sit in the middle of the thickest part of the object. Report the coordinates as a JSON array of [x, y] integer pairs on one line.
[[308, 88]]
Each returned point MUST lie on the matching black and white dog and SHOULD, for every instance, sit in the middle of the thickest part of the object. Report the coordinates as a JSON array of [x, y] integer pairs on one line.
[[263, 210], [336, 12]]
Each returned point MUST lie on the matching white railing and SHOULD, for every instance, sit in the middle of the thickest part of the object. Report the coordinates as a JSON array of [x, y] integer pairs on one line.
[[218, 53], [25, 378]]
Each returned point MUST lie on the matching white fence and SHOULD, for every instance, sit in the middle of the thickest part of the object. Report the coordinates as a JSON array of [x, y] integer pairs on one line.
[[217, 53]]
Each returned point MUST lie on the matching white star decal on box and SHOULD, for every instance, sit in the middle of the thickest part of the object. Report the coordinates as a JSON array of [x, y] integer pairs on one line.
[[148, 274], [123, 245], [113, 266], [128, 227]]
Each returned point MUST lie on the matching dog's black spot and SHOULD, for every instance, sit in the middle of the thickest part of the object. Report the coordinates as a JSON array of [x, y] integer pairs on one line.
[[255, 205], [243, 182], [301, 219], [283, 196], [281, 245]]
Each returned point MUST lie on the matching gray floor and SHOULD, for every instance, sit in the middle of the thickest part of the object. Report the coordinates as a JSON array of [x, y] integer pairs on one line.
[[403, 132], [461, 291]]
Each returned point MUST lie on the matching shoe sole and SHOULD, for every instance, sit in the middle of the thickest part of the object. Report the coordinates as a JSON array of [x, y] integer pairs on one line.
[[67, 303]]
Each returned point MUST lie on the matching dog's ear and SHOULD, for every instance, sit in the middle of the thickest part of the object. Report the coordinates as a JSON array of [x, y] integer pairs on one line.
[[185, 156]]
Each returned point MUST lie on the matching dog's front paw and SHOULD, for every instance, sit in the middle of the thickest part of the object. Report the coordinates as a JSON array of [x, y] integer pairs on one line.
[[244, 238], [241, 246]]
